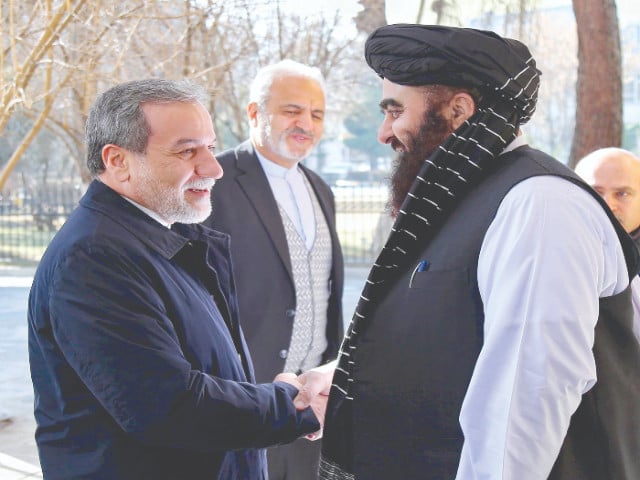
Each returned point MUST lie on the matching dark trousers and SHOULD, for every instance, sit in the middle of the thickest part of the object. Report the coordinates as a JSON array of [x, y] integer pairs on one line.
[[295, 461]]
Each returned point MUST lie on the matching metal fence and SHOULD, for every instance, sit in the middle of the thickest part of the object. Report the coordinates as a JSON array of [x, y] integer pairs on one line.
[[30, 218]]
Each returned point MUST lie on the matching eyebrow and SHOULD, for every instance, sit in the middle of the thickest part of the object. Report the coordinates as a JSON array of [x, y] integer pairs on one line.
[[389, 102], [186, 141], [300, 107]]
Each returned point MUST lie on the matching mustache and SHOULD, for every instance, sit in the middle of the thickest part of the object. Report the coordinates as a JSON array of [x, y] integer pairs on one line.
[[298, 130], [201, 184], [396, 144]]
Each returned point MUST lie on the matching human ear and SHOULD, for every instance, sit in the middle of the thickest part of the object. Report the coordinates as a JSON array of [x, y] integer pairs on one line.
[[116, 162], [252, 114], [462, 107]]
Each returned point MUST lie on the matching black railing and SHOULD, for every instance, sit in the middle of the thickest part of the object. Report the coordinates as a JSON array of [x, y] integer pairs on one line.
[[361, 222], [30, 219]]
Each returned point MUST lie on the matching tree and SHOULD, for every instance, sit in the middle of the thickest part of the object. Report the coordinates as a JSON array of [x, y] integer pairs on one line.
[[443, 9], [53, 61], [362, 124], [371, 16], [552, 126], [599, 86], [38, 59]]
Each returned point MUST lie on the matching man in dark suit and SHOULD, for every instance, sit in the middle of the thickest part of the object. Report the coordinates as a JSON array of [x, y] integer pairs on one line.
[[286, 256]]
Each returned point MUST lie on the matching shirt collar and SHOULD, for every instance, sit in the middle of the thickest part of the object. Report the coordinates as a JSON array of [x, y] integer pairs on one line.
[[517, 142], [272, 169], [149, 212]]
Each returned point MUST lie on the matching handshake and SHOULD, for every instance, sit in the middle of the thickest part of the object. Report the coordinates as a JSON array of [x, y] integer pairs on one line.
[[313, 391]]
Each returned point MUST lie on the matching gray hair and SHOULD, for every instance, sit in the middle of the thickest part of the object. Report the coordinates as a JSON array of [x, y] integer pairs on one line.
[[261, 85], [117, 118]]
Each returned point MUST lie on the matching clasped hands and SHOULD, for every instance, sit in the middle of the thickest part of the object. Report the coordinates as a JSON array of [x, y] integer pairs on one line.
[[313, 391]]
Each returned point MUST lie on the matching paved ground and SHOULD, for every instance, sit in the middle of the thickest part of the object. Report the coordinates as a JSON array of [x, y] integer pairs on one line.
[[18, 453]]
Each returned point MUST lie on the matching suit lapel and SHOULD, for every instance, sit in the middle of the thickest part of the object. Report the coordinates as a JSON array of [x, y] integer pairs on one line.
[[254, 184], [325, 205], [322, 199]]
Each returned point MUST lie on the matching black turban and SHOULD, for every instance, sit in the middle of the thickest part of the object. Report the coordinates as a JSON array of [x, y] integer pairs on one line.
[[409, 54]]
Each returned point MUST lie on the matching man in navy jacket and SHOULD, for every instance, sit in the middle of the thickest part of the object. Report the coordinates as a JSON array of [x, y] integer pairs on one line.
[[139, 365]]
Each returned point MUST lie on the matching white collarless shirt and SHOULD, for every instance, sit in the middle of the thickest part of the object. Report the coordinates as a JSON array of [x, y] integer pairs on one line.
[[291, 193], [546, 258]]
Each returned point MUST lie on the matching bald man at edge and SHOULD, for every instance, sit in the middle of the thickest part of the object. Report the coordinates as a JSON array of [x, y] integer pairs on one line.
[[615, 174]]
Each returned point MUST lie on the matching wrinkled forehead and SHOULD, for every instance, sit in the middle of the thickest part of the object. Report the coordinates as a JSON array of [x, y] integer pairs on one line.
[[296, 90]]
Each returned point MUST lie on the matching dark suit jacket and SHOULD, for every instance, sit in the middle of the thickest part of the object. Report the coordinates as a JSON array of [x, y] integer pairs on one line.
[[245, 208]]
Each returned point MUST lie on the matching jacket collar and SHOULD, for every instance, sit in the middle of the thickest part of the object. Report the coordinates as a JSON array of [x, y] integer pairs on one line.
[[167, 242]]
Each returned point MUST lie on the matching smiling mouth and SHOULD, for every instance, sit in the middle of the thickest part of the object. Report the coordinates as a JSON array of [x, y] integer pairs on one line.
[[201, 186], [201, 189], [397, 146], [301, 138]]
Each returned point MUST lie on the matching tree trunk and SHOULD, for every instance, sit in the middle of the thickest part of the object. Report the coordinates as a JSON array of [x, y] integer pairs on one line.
[[599, 86]]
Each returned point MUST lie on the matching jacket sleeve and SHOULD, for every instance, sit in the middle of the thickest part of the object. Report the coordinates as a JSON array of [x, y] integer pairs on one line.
[[114, 332]]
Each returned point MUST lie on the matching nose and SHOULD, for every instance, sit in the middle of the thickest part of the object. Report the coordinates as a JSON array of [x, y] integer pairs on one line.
[[209, 166], [610, 200], [385, 133], [305, 121], [219, 171]]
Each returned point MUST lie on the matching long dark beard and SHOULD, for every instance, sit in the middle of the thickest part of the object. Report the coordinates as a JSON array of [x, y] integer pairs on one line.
[[433, 130]]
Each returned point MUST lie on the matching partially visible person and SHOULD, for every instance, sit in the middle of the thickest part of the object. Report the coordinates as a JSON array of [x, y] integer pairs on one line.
[[493, 338], [286, 255], [139, 365], [615, 174]]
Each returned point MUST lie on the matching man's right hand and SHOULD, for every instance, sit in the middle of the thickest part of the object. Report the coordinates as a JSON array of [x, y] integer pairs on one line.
[[316, 384], [313, 391]]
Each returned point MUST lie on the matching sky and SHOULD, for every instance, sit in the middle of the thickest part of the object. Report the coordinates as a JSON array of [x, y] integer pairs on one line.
[[399, 11], [348, 8], [405, 11]]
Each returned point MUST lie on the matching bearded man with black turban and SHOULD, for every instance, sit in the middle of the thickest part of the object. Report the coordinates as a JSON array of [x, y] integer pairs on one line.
[[494, 336]]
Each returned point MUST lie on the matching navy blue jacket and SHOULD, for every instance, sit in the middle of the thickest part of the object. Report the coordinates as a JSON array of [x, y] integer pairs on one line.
[[139, 366]]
